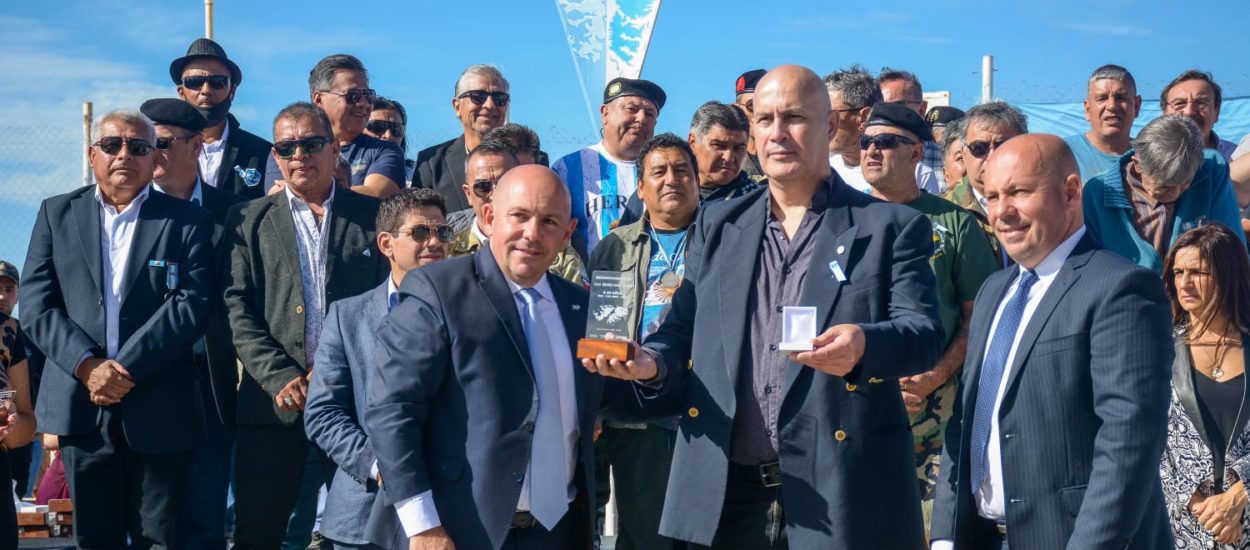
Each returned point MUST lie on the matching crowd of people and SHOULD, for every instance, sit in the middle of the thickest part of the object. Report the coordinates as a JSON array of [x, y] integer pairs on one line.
[[1021, 339]]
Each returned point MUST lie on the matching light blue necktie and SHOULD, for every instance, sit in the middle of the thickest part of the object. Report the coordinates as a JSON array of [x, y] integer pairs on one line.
[[549, 497], [992, 374]]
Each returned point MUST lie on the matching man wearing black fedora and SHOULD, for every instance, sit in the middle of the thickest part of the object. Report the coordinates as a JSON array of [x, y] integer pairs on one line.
[[232, 159]]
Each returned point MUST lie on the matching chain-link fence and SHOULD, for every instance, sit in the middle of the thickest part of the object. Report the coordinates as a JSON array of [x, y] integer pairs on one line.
[[36, 162]]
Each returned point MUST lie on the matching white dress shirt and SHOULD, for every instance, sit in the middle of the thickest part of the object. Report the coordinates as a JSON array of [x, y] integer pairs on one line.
[[312, 239], [418, 514], [211, 156], [991, 503], [117, 231]]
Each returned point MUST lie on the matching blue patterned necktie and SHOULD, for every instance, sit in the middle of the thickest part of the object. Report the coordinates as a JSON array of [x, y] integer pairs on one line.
[[548, 481], [992, 375]]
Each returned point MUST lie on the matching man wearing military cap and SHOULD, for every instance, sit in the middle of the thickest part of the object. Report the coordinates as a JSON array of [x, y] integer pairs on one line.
[[602, 177], [962, 259], [744, 97], [939, 118], [179, 128], [231, 158]]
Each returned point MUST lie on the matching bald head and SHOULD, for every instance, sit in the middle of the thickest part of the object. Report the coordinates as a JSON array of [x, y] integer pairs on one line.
[[792, 125], [529, 222], [1034, 192]]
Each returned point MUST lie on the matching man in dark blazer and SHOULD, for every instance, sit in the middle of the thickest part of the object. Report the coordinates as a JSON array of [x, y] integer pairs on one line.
[[232, 159], [481, 103], [410, 223], [116, 292], [807, 449], [481, 421], [292, 253], [1057, 439], [179, 129]]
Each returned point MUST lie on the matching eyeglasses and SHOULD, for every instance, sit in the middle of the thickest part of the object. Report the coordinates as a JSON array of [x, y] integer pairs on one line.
[[216, 81], [380, 127], [311, 145], [980, 148], [421, 232], [1200, 104], [113, 145], [483, 188], [884, 141], [163, 143], [478, 97], [354, 95]]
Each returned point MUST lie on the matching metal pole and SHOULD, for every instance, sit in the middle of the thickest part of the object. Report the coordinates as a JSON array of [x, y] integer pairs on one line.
[[987, 77], [86, 140], [208, 19]]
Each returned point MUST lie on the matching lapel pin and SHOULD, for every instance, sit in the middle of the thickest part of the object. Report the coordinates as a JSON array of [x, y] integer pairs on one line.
[[577, 307], [366, 253], [841, 249], [836, 269]]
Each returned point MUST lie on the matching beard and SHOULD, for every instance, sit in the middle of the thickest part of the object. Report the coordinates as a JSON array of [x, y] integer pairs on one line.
[[216, 113]]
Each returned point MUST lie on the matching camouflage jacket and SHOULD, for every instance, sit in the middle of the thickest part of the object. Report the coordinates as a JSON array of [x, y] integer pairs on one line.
[[961, 194]]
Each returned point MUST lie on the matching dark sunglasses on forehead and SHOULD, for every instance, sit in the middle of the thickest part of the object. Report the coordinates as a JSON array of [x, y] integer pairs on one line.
[[113, 145], [216, 81], [380, 127], [311, 145], [478, 97], [164, 143], [354, 95], [980, 148], [884, 141], [483, 188], [421, 232]]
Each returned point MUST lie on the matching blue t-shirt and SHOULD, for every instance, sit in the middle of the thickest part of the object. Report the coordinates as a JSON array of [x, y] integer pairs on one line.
[[1089, 159], [365, 155], [668, 255]]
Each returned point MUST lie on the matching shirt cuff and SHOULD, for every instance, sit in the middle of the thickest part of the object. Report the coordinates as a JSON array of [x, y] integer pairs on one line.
[[942, 544], [373, 470], [417, 514]]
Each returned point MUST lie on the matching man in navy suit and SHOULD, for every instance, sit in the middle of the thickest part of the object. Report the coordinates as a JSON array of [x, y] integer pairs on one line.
[[1057, 437], [810, 449], [481, 422], [116, 292], [412, 233]]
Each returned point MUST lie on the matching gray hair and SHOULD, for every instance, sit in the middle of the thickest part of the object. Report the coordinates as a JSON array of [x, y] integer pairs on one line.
[[1113, 72], [890, 74], [715, 113], [483, 70], [856, 85], [129, 117], [321, 77], [301, 110], [1170, 150], [993, 112], [954, 136]]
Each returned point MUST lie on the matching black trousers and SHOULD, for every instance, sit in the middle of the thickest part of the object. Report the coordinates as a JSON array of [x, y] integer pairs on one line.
[[269, 466], [753, 517], [120, 493], [8, 511], [567, 535], [640, 459]]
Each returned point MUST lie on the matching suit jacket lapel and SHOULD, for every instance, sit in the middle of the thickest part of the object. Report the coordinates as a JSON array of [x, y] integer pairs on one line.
[[149, 227], [573, 313], [743, 239], [982, 319], [491, 280], [337, 232], [87, 214], [281, 226]]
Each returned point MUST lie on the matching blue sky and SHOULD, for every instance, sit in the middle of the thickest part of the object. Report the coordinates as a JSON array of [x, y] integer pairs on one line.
[[55, 55]]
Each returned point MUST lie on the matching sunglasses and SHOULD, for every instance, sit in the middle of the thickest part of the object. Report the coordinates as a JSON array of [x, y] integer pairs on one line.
[[163, 143], [483, 188], [421, 232], [478, 97], [311, 146], [884, 141], [216, 82], [981, 148], [113, 145], [380, 127], [354, 95]]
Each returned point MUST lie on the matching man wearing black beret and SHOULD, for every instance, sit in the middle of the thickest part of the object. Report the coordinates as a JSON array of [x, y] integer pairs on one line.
[[179, 139], [231, 158], [602, 177]]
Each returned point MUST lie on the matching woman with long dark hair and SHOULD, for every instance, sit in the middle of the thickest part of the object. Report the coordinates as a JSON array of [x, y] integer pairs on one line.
[[1207, 459]]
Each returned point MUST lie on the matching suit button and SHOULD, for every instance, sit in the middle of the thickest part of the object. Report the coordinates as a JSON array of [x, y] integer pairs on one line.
[[690, 365], [299, 344], [528, 427], [518, 478], [839, 435], [693, 412], [875, 380], [299, 310], [772, 347], [850, 386]]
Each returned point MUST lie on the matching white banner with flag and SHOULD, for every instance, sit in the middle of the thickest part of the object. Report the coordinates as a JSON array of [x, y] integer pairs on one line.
[[608, 39]]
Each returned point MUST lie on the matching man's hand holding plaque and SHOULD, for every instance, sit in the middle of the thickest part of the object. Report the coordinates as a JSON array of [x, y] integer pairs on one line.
[[640, 367]]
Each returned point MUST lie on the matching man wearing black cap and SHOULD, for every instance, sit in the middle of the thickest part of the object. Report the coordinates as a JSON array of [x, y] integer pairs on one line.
[[231, 159], [602, 177], [744, 96], [178, 141], [962, 259], [939, 118]]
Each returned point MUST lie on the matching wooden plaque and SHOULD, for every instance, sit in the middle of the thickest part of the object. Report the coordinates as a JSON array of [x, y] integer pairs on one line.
[[590, 348]]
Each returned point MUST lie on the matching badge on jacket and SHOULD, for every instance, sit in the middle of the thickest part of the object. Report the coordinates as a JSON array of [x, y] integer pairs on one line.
[[250, 177]]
